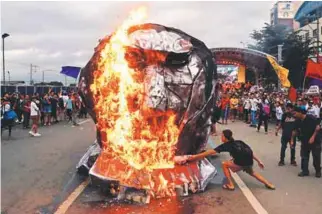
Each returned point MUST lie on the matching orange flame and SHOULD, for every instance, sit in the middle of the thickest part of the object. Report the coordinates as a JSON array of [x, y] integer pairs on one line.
[[139, 136]]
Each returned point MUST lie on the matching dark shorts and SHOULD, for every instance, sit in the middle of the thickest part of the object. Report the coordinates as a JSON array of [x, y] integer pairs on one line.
[[236, 168]]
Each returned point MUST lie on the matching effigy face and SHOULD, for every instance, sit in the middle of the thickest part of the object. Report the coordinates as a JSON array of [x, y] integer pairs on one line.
[[175, 74]]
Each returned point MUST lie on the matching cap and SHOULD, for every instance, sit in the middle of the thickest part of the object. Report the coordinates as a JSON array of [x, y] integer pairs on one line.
[[300, 110]]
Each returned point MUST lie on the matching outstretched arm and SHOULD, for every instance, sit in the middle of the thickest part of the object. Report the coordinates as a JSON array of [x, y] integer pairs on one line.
[[260, 163], [202, 155]]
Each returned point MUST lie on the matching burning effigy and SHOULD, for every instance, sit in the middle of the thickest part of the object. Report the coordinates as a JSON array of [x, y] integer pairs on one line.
[[150, 90]]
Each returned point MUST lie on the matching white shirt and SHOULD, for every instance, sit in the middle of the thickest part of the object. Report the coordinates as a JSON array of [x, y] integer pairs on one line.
[[33, 109], [317, 111], [247, 104], [314, 110], [65, 98], [253, 103], [279, 113]]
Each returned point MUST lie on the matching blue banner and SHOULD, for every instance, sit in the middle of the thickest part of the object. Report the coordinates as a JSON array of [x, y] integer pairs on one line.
[[70, 71]]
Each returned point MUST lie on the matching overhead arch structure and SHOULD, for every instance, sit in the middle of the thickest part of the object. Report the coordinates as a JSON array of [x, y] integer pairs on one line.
[[253, 60]]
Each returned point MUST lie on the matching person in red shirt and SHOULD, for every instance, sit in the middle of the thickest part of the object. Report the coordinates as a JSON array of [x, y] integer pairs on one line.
[[224, 105], [26, 112], [316, 100]]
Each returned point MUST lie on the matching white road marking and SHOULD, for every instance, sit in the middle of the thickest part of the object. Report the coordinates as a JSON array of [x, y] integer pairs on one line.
[[248, 194], [62, 209], [84, 121]]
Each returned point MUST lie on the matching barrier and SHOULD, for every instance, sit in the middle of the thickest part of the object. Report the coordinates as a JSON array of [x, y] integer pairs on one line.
[[33, 89]]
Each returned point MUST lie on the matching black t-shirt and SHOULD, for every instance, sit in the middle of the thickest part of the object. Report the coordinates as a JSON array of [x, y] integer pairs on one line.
[[306, 128], [288, 124], [240, 151], [53, 102]]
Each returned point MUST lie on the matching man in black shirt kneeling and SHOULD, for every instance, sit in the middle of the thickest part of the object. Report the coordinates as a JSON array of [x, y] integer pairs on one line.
[[242, 159]]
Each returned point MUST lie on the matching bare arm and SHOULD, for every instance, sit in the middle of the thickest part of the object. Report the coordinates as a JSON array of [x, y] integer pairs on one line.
[[202, 155], [260, 163], [294, 134], [317, 129]]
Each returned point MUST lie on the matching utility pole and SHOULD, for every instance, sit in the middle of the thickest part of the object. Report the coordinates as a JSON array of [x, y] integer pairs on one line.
[[5, 35], [43, 76], [65, 80], [32, 70]]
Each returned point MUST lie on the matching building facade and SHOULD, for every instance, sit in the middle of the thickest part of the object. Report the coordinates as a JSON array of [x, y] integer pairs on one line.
[[283, 13], [309, 17]]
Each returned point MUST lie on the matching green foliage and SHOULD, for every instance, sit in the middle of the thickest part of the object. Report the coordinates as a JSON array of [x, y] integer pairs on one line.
[[296, 49]]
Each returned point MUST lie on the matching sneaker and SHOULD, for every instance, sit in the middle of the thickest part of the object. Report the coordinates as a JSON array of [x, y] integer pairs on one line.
[[37, 135], [318, 174], [281, 163], [293, 163], [31, 133], [302, 174]]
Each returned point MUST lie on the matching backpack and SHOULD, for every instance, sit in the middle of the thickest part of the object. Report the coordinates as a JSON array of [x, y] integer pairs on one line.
[[266, 109], [61, 102]]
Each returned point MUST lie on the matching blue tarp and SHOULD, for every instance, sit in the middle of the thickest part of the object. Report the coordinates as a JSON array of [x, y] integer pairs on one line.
[[70, 71]]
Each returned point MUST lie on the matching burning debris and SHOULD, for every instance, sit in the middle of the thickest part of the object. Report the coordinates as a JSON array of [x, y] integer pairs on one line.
[[150, 90]]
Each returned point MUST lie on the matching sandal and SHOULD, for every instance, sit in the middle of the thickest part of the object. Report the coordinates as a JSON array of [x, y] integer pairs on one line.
[[270, 186], [226, 187]]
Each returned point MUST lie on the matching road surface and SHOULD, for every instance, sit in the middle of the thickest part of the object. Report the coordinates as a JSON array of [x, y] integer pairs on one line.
[[38, 176]]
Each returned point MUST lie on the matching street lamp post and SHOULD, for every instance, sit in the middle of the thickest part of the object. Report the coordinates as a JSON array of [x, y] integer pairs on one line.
[[3, 62]]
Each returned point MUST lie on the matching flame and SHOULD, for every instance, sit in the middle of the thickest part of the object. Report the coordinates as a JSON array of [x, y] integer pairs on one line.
[[139, 136]]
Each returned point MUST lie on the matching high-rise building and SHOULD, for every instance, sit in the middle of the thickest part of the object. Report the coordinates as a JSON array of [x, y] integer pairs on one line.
[[283, 13], [309, 17]]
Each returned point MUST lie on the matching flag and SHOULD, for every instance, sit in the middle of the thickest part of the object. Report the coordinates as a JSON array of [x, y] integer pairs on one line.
[[70, 71], [281, 72], [241, 74], [313, 70], [292, 94]]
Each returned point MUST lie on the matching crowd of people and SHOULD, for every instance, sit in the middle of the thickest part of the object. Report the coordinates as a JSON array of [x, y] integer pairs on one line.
[[297, 119], [32, 111]]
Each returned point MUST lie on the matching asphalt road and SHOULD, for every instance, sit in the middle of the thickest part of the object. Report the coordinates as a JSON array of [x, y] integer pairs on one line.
[[38, 174]]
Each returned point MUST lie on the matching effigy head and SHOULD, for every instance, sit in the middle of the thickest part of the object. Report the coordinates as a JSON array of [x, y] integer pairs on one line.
[[155, 89]]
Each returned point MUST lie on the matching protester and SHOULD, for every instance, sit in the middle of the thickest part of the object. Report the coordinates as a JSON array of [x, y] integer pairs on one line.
[[308, 130], [278, 113], [47, 110], [247, 107], [224, 108], [234, 107], [288, 126], [242, 156], [69, 107], [26, 112], [34, 115], [8, 115], [76, 107], [19, 107], [253, 104], [264, 111], [54, 105]]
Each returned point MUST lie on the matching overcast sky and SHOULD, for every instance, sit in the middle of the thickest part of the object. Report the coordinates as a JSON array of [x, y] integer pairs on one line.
[[56, 34]]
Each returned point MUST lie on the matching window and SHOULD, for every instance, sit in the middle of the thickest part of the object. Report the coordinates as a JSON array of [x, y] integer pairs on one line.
[[315, 32], [307, 35]]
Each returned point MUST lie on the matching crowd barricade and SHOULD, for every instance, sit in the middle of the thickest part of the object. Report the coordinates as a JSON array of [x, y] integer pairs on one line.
[[33, 89]]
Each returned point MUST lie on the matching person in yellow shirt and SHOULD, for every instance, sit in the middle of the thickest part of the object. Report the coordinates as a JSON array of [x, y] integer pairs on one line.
[[234, 106]]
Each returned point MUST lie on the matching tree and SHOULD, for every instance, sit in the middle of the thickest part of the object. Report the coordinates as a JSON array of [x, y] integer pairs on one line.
[[296, 50]]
